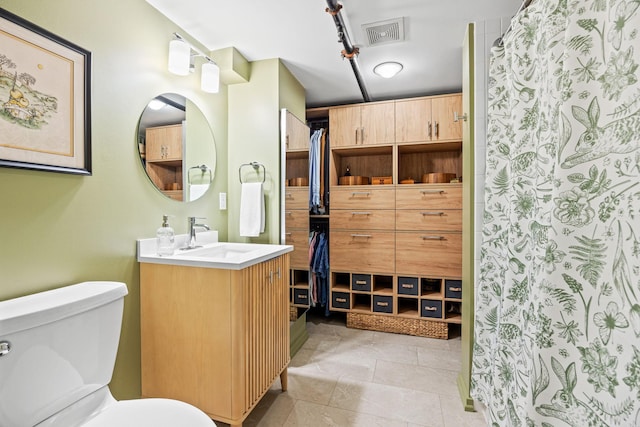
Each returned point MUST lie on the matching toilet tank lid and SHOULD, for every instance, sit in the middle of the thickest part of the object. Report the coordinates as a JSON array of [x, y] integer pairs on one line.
[[49, 306]]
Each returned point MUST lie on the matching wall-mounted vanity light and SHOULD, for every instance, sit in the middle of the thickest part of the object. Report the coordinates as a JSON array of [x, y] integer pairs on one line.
[[181, 62]]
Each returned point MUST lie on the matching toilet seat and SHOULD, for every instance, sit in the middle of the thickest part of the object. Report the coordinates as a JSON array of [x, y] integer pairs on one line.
[[152, 412]]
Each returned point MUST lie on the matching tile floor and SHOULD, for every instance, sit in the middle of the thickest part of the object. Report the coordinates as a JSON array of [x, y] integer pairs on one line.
[[348, 377]]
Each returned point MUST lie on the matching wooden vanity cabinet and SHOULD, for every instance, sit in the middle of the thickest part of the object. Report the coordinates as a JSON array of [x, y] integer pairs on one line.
[[215, 338], [362, 124]]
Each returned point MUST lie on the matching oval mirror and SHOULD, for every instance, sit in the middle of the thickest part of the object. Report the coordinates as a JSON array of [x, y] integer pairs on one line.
[[176, 147]]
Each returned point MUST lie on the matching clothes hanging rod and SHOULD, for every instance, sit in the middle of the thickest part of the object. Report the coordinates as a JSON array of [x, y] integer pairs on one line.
[[350, 52]]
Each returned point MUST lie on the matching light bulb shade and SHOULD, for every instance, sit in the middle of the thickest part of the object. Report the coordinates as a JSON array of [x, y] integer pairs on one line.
[[388, 69], [210, 77], [179, 57]]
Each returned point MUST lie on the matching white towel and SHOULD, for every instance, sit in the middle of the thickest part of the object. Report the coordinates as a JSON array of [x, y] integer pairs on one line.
[[197, 190], [251, 209]]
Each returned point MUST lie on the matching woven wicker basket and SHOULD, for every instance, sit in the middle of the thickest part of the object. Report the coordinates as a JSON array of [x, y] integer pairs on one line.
[[398, 325], [293, 313]]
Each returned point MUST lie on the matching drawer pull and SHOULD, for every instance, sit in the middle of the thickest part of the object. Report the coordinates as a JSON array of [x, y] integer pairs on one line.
[[341, 300], [302, 296], [361, 213], [382, 304], [360, 193], [432, 191], [432, 237], [431, 308], [407, 285], [361, 282], [287, 233], [366, 236], [455, 289], [288, 213], [432, 213], [288, 195]]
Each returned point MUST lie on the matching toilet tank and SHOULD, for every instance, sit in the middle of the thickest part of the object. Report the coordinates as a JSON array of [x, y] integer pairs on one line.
[[62, 347]]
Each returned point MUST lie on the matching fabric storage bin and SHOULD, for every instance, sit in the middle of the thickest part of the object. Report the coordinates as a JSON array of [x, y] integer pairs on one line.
[[408, 285], [431, 308], [382, 304], [341, 300], [361, 282], [453, 289], [301, 296]]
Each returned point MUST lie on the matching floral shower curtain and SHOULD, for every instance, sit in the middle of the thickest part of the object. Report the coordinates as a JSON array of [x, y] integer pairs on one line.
[[558, 299]]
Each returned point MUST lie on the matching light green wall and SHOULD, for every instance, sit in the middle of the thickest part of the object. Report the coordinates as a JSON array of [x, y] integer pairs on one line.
[[254, 135], [62, 229]]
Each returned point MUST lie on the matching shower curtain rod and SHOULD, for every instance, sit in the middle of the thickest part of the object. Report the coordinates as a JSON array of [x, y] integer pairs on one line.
[[500, 40]]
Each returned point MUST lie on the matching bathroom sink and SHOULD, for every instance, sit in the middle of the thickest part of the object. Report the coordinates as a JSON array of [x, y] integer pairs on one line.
[[218, 251], [211, 253]]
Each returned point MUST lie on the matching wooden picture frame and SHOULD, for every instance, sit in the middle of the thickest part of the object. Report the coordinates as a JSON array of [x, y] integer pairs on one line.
[[45, 99]]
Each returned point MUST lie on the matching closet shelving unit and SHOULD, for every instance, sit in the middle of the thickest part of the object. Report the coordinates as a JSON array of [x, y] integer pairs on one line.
[[396, 248]]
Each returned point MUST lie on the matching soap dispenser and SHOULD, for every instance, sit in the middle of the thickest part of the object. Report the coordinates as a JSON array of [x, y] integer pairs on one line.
[[165, 237]]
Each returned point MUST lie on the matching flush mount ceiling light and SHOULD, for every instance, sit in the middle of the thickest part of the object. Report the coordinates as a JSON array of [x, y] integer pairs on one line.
[[156, 104], [387, 69], [181, 62]]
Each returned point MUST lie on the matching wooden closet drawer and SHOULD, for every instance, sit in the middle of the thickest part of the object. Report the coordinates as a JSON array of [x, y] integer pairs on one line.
[[430, 197], [300, 254], [371, 251], [362, 219], [437, 254], [296, 218], [433, 219], [362, 198], [296, 198]]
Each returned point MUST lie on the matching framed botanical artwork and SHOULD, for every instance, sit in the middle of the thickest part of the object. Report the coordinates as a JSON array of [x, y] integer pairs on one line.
[[45, 99]]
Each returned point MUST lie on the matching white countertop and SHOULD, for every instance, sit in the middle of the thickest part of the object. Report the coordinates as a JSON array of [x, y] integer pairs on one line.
[[210, 253]]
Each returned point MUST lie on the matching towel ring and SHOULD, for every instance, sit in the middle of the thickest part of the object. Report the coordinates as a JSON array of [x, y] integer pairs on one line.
[[203, 168], [256, 166]]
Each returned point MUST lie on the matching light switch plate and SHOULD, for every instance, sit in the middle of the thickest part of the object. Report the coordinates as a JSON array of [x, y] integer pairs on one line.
[[223, 201]]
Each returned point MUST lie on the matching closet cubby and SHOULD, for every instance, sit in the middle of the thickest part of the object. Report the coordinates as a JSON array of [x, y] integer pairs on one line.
[[453, 311], [408, 307], [365, 161], [415, 160], [299, 285], [430, 287], [382, 284], [361, 302]]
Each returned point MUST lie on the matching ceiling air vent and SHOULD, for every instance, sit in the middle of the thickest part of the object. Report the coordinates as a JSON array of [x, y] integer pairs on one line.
[[383, 32]]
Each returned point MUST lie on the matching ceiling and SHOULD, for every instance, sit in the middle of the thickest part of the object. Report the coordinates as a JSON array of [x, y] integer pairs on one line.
[[304, 36]]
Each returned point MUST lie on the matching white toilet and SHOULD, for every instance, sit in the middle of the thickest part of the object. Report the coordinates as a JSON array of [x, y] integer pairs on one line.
[[57, 352]]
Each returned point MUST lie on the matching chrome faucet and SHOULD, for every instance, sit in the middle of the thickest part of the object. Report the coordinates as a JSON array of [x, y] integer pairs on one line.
[[192, 232]]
